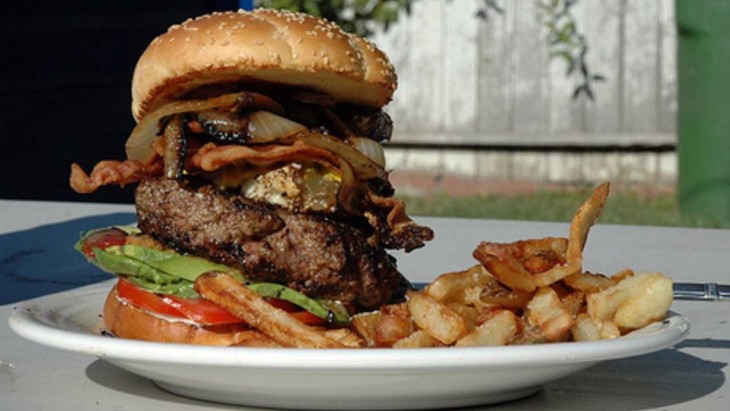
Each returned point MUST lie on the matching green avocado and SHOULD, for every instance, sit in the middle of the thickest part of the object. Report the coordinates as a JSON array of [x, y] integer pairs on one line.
[[166, 272]]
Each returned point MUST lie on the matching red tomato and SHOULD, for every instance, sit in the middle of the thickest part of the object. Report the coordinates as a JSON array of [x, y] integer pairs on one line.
[[144, 299], [201, 311], [308, 318], [285, 305], [103, 239], [295, 311]]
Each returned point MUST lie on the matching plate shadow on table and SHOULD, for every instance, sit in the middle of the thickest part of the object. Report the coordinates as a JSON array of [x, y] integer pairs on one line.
[[42, 260], [650, 381]]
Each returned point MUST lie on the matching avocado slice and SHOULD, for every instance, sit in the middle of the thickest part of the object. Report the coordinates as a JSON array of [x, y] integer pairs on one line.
[[167, 272]]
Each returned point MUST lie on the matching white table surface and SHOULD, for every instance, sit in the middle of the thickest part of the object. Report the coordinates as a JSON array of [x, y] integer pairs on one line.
[[36, 258]]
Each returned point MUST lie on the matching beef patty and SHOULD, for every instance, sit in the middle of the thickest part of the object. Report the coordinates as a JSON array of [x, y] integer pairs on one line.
[[314, 254]]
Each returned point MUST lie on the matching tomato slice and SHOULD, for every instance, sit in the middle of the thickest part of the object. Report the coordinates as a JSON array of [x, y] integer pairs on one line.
[[308, 318], [285, 305], [202, 311], [296, 311], [144, 299], [103, 239]]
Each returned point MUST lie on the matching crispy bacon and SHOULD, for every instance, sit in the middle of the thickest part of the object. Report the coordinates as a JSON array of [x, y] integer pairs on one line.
[[211, 157], [396, 230], [112, 172]]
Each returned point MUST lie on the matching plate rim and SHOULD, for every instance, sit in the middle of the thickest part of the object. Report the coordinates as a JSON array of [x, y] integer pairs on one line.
[[25, 322]]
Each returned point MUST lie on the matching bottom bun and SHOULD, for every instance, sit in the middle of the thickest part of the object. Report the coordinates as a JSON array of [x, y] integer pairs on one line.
[[124, 320]]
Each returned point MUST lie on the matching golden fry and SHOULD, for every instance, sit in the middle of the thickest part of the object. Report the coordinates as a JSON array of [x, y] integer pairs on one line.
[[364, 325], [634, 302], [245, 304], [497, 330], [390, 328], [547, 312], [500, 262], [438, 320], [588, 282], [447, 285], [418, 339]]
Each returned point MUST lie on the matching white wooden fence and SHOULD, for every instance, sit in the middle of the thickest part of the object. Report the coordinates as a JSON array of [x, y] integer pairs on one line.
[[463, 79]]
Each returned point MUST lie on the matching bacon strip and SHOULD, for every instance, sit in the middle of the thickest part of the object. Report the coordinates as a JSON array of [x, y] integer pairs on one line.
[[398, 231], [111, 172], [211, 157]]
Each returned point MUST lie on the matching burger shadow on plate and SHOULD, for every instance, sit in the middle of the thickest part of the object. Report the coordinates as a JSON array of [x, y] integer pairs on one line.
[[42, 260]]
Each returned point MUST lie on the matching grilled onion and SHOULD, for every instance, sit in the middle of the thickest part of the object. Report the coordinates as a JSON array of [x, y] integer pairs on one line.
[[265, 127], [138, 145], [370, 148], [363, 167]]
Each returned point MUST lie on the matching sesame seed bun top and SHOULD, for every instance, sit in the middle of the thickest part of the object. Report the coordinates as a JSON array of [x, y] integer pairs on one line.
[[261, 46]]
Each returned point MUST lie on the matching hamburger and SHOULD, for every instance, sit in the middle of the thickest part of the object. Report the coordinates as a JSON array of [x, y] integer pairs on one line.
[[257, 152]]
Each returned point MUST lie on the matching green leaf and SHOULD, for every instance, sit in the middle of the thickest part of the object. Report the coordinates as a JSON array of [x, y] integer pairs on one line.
[[327, 310]]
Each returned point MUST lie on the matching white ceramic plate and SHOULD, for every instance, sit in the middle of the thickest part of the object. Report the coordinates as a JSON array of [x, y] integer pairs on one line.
[[327, 379]]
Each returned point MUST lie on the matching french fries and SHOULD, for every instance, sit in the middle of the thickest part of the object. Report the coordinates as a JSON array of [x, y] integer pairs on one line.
[[535, 291], [524, 292], [634, 302], [286, 330], [499, 329], [438, 320]]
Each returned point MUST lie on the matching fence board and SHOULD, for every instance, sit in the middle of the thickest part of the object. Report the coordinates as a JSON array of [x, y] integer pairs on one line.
[[425, 92], [486, 83], [495, 76], [668, 67], [566, 114], [602, 30], [529, 64], [641, 65]]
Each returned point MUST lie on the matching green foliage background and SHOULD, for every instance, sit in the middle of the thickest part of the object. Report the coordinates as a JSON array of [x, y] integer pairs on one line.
[[354, 16]]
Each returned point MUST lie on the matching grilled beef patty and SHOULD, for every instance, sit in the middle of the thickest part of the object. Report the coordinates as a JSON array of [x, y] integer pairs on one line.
[[316, 255]]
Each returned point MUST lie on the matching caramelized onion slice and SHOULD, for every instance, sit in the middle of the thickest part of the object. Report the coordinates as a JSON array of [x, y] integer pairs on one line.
[[265, 127], [363, 167], [370, 148], [138, 145]]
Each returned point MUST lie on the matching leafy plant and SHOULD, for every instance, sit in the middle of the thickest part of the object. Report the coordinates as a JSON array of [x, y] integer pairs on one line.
[[564, 39], [356, 16]]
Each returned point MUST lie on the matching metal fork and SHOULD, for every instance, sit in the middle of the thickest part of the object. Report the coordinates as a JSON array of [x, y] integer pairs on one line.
[[702, 291], [682, 291]]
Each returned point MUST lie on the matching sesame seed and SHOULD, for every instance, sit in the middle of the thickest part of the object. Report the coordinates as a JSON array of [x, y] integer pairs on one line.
[[225, 43], [258, 42]]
